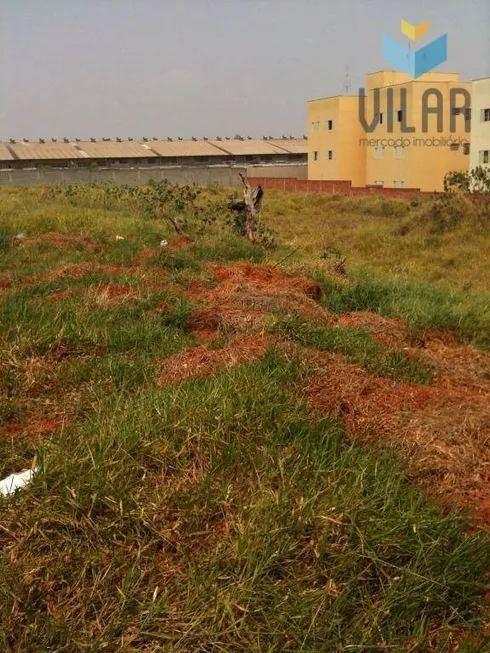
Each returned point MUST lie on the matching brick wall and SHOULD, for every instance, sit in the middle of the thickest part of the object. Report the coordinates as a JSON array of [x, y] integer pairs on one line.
[[336, 188]]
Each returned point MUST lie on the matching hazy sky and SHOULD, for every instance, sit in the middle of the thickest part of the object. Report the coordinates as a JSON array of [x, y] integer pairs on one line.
[[81, 68]]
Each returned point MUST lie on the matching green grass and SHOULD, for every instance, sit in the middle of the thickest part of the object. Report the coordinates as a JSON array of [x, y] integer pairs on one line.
[[449, 247], [356, 346], [420, 305], [202, 516], [217, 514]]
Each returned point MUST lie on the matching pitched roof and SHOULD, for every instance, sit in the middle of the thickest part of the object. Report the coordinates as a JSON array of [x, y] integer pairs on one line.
[[150, 149], [291, 145], [250, 147], [5, 154], [185, 148], [114, 150], [54, 151]]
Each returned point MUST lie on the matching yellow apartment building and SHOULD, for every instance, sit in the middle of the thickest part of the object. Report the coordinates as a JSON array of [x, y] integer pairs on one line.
[[404, 147], [334, 134], [480, 124]]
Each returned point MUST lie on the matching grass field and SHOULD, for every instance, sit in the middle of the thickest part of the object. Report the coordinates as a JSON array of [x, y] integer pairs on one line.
[[244, 448]]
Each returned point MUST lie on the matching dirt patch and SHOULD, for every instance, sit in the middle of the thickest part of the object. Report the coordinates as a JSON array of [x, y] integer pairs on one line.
[[227, 316], [384, 330], [181, 243], [37, 426], [264, 277], [145, 255], [443, 430], [60, 296], [110, 294], [161, 309], [202, 361], [245, 295], [5, 284], [58, 240], [457, 365], [100, 294], [40, 425], [81, 270]]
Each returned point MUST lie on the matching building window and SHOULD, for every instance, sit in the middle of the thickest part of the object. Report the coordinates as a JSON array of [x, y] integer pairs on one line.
[[315, 126], [379, 183], [379, 152], [398, 184], [399, 152], [380, 118], [467, 114], [329, 125], [466, 148], [315, 155], [486, 115], [455, 111], [484, 156], [454, 147], [399, 116]]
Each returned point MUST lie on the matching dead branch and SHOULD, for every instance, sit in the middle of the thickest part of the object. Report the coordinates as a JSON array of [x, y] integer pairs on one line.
[[252, 207]]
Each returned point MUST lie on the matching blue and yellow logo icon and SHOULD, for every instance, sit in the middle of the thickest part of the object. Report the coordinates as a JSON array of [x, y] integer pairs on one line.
[[415, 62]]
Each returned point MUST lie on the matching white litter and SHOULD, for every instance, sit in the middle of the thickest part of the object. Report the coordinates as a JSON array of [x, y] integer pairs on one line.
[[19, 237], [119, 237], [15, 482], [163, 243]]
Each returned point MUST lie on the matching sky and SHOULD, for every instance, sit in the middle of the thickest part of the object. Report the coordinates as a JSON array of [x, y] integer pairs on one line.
[[121, 68]]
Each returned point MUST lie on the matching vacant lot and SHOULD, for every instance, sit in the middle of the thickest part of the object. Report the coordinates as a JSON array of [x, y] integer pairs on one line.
[[243, 448]]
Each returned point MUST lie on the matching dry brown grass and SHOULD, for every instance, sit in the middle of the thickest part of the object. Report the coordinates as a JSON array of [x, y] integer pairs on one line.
[[202, 361], [442, 430]]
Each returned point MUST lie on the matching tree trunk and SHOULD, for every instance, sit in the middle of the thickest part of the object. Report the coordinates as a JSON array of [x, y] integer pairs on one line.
[[251, 211]]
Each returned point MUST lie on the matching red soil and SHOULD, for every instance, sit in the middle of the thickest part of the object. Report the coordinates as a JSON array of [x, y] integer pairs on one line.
[[263, 277], [203, 362], [384, 330], [180, 243], [58, 240], [442, 430]]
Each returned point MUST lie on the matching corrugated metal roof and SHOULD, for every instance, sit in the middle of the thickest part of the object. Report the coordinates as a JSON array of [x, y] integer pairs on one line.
[[5, 153], [37, 151], [248, 147], [292, 145], [184, 148], [150, 149], [115, 150]]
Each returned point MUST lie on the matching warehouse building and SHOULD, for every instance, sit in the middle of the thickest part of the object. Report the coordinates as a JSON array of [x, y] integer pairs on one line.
[[108, 153]]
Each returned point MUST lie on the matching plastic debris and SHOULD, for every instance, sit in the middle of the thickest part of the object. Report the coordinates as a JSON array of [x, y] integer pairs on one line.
[[15, 482], [163, 243], [120, 238]]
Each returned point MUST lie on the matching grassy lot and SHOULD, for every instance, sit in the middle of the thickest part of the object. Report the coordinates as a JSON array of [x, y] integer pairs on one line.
[[428, 242], [190, 498]]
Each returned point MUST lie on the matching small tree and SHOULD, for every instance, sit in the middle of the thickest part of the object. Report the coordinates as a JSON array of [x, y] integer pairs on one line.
[[480, 180], [475, 181]]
